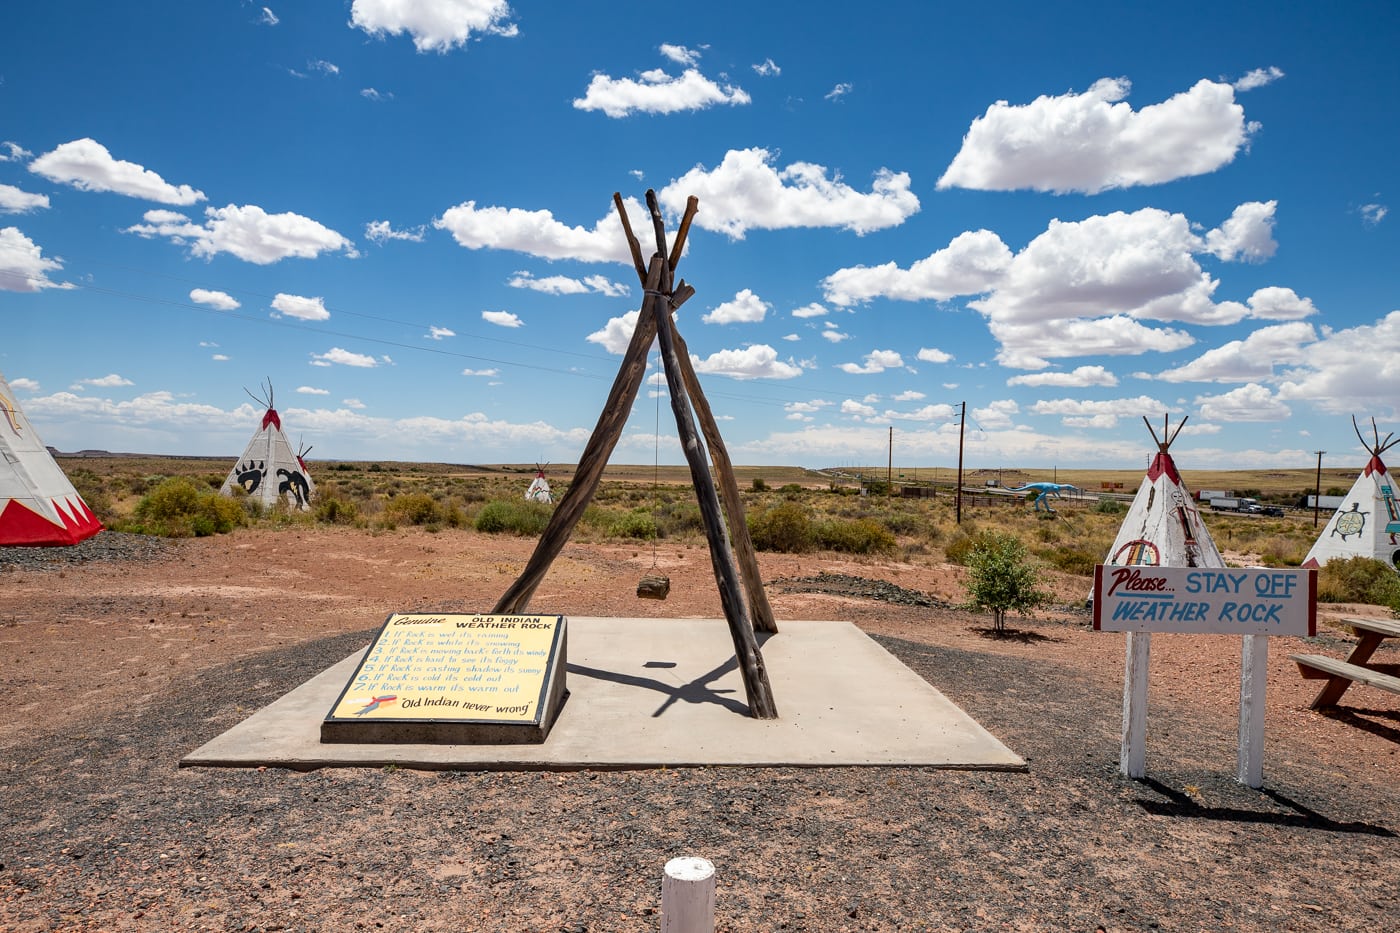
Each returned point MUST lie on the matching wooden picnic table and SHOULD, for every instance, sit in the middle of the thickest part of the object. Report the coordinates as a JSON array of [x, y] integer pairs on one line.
[[1356, 668]]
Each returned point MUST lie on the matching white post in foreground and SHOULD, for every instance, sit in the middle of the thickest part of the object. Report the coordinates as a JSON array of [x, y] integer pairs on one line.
[[1132, 756], [688, 896], [1254, 675]]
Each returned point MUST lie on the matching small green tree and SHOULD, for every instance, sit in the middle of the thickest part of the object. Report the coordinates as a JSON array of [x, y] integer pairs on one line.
[[1001, 577]]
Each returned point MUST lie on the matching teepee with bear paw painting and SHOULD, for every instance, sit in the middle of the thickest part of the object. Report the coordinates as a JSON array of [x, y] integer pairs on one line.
[[269, 471]]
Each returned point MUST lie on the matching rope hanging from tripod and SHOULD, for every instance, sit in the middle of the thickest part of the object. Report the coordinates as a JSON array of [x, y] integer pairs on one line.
[[655, 585]]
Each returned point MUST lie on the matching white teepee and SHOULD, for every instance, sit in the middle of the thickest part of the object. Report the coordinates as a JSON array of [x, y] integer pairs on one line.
[[1368, 521], [268, 470], [539, 490], [38, 505], [1163, 527]]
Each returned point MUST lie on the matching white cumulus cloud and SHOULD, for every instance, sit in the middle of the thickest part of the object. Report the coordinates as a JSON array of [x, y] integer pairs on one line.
[[759, 361], [745, 308], [88, 166], [538, 233], [380, 232], [933, 355], [656, 91], [970, 264], [303, 309], [876, 361], [17, 201], [1251, 402], [746, 192], [223, 301], [247, 232], [1094, 141], [1258, 78], [566, 285], [434, 25], [23, 266], [502, 319], [337, 355], [1252, 359], [1079, 377]]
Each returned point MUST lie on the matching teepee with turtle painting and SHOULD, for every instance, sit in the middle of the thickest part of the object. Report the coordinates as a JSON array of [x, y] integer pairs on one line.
[[38, 504], [1367, 524], [269, 471], [1163, 527]]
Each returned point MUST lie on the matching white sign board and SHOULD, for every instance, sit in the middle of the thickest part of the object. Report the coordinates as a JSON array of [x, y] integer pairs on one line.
[[1229, 601]]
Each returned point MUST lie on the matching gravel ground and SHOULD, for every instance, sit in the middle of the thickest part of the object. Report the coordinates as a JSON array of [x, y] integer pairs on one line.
[[103, 832]]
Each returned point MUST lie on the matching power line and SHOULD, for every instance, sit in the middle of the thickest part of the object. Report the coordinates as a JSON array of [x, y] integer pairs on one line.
[[784, 395]]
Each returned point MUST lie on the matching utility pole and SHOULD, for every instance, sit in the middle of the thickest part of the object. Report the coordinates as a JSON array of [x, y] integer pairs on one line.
[[1317, 487], [889, 467], [962, 423]]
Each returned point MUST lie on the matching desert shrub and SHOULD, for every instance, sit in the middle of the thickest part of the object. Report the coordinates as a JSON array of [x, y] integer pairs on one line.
[[1282, 551], [333, 510], [1359, 580], [638, 523], [674, 519], [94, 492], [759, 485], [452, 515], [900, 522], [177, 508], [413, 508], [509, 517], [862, 536], [791, 490], [785, 527], [1070, 560], [1110, 507], [1001, 577], [959, 546]]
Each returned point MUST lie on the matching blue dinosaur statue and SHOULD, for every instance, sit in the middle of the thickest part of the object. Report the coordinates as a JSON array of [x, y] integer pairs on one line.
[[1043, 491]]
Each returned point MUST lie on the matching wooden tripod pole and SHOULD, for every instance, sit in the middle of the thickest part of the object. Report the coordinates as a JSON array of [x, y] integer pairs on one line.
[[730, 498], [731, 596], [591, 463]]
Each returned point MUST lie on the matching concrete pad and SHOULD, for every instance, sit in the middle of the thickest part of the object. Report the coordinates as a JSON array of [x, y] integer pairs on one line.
[[648, 693]]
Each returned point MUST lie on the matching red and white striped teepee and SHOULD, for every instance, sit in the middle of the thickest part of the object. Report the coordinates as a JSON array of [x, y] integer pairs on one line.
[[38, 504]]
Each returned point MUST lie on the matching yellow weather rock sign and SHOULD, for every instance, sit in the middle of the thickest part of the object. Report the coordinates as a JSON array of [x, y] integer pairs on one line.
[[456, 679]]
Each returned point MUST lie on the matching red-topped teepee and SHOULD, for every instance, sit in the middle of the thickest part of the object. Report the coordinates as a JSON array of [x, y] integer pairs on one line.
[[1368, 522], [268, 470], [1163, 527], [38, 504]]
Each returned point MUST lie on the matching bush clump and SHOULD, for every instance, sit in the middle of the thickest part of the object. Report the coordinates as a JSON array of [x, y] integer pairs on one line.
[[1359, 580], [674, 519], [177, 508], [1070, 560], [1002, 578], [414, 508], [785, 527], [862, 536], [333, 510], [638, 523], [509, 517]]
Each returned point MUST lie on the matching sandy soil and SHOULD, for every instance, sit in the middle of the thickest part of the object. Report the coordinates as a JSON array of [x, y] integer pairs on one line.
[[114, 668]]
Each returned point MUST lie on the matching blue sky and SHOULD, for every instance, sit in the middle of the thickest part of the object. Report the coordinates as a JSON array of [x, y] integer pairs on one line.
[[1066, 216]]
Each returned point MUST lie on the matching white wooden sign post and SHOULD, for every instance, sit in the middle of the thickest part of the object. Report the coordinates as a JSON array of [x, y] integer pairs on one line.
[[1251, 602]]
